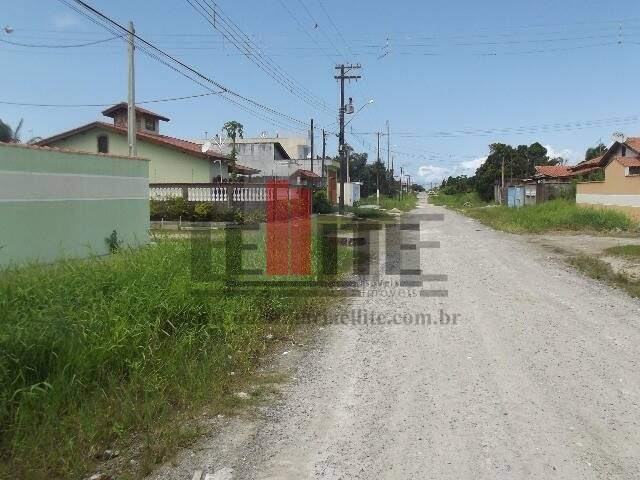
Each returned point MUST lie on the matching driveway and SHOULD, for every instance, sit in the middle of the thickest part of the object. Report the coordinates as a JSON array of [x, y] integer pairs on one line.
[[538, 378]]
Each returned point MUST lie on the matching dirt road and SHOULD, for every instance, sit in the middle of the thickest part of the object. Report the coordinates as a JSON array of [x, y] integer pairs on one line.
[[539, 378]]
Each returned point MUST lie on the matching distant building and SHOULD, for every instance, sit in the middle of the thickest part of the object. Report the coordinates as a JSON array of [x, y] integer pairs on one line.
[[620, 189], [172, 160]]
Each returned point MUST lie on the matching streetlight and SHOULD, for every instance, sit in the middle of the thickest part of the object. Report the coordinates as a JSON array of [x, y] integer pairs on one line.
[[358, 111]]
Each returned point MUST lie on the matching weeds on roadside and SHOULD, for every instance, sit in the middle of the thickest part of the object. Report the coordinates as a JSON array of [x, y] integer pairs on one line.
[[117, 352], [601, 270], [628, 251]]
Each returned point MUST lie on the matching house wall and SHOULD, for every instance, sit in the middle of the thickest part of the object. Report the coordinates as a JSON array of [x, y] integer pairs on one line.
[[57, 204], [166, 165], [618, 191]]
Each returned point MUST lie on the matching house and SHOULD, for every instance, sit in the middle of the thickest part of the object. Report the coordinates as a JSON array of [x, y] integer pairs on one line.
[[270, 157], [630, 147], [620, 189], [552, 173], [171, 160]]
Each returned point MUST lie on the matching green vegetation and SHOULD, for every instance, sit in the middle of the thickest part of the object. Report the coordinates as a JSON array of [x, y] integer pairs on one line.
[[174, 209], [369, 213], [321, 203], [122, 352], [628, 251], [458, 201], [406, 203], [552, 215], [601, 270]]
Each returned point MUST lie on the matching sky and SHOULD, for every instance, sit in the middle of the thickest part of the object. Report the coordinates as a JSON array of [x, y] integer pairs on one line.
[[449, 77]]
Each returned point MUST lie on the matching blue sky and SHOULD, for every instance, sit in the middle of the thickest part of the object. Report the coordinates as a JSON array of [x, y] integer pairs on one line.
[[451, 77]]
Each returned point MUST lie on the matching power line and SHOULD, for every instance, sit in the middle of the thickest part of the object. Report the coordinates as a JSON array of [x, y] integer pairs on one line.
[[553, 127], [297, 21], [317, 26], [74, 105], [75, 45], [229, 30], [160, 55]]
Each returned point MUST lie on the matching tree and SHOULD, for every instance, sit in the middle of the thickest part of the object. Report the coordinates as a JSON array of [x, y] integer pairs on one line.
[[234, 130], [519, 162], [595, 152], [9, 135]]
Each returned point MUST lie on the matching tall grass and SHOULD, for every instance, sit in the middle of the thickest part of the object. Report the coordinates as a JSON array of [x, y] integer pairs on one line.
[[113, 351], [552, 215], [407, 202], [458, 200], [628, 251]]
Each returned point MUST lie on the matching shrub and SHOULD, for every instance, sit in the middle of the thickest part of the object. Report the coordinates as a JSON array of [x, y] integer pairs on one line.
[[321, 203], [203, 211]]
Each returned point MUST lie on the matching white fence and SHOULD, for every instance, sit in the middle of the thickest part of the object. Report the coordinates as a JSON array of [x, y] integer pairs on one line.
[[222, 193]]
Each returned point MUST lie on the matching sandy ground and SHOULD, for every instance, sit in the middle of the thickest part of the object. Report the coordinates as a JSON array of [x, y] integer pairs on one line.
[[538, 378]]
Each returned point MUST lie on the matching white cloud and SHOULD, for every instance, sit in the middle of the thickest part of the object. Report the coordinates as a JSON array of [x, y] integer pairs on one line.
[[62, 21], [432, 173], [471, 166], [569, 155]]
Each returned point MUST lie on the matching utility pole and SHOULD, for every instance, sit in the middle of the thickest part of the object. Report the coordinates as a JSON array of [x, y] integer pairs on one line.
[[378, 134], [324, 151], [312, 144], [131, 105], [388, 148], [344, 69], [348, 176]]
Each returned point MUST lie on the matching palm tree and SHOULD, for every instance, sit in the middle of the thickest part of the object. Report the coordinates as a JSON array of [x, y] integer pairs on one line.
[[9, 135], [234, 129]]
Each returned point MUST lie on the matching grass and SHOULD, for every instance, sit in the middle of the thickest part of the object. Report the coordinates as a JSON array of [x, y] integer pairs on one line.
[[369, 213], [554, 215], [627, 251], [459, 201], [601, 270], [407, 203], [551, 216], [122, 352]]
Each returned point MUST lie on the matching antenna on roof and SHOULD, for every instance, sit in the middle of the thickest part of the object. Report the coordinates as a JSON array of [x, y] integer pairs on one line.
[[206, 146], [618, 137]]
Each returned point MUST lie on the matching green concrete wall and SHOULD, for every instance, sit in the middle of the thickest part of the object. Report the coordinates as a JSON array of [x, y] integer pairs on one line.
[[63, 205], [166, 165]]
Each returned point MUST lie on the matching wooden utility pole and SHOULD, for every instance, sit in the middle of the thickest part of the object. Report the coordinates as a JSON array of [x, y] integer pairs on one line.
[[312, 144], [131, 101], [388, 148], [324, 150], [344, 69]]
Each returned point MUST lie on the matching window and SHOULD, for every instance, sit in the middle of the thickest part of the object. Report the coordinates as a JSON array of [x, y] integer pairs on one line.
[[634, 170], [150, 124], [103, 144]]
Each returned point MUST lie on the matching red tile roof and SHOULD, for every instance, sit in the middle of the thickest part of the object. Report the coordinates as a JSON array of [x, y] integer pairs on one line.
[[179, 144], [301, 172], [110, 112], [589, 165], [628, 161], [634, 142], [555, 171]]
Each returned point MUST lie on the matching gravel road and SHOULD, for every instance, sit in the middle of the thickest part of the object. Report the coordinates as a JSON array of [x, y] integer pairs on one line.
[[538, 378]]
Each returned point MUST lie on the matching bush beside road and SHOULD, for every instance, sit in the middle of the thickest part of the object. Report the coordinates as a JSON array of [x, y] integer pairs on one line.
[[554, 215], [121, 352]]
